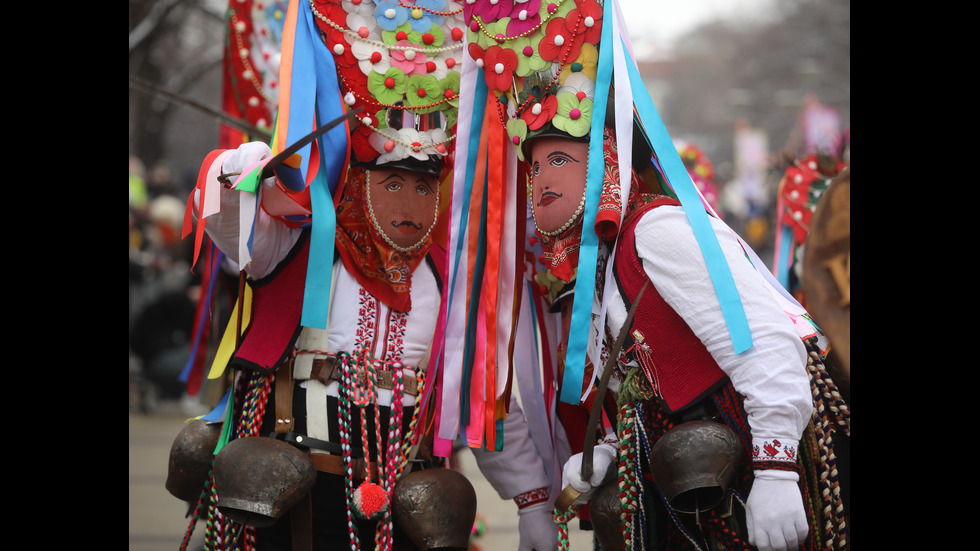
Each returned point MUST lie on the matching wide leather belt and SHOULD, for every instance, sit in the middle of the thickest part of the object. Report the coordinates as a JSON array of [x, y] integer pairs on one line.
[[330, 462], [328, 369], [334, 464]]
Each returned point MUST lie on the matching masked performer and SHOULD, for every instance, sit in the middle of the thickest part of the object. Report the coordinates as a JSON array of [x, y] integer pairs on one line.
[[713, 339], [343, 267]]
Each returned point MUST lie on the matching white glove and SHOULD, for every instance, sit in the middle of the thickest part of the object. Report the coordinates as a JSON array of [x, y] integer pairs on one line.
[[603, 467], [774, 514], [245, 156], [538, 529]]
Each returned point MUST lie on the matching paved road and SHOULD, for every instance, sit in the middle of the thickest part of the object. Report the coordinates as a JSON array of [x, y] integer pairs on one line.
[[156, 518]]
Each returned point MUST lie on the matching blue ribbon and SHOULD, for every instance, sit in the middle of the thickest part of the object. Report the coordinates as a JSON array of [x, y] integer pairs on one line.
[[785, 251], [575, 355], [680, 181], [317, 87]]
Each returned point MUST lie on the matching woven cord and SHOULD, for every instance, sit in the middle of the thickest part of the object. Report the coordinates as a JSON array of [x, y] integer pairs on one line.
[[223, 534], [346, 368], [830, 413]]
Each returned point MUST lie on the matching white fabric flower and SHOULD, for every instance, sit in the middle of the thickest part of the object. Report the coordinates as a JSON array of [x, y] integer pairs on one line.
[[579, 82], [364, 52]]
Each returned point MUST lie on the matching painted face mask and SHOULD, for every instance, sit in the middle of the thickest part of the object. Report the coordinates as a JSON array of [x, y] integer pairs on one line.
[[403, 206], [558, 174]]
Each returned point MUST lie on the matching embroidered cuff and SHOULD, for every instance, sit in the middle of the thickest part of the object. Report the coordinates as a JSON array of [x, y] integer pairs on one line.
[[533, 497], [774, 450]]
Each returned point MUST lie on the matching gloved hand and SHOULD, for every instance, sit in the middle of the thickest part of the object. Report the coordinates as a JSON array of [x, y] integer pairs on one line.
[[774, 514], [245, 156], [538, 529], [603, 466]]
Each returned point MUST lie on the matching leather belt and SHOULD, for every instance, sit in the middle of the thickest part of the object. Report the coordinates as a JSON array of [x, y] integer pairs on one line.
[[327, 369], [334, 464]]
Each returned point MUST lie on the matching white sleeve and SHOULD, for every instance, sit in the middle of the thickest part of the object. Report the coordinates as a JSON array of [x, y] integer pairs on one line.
[[517, 469], [272, 240], [771, 375]]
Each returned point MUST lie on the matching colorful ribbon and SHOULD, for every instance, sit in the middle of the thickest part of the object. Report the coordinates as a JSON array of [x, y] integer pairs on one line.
[[575, 355]]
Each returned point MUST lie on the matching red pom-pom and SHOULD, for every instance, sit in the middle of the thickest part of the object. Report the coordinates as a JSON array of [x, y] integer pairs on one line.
[[370, 501]]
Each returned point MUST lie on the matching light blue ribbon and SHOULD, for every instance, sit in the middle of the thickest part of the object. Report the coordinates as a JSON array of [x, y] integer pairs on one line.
[[680, 181], [317, 87], [575, 355]]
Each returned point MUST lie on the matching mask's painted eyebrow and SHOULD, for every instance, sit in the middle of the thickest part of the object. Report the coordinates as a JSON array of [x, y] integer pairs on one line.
[[560, 153], [390, 176]]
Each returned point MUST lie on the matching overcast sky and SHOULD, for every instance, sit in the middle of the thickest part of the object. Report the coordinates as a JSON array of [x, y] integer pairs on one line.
[[657, 23]]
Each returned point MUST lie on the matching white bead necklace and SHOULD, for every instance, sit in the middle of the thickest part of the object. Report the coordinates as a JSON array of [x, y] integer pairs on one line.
[[377, 226]]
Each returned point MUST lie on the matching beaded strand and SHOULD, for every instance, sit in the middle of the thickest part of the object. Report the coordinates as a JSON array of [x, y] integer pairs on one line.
[[561, 66], [243, 54], [375, 43], [531, 31], [430, 10]]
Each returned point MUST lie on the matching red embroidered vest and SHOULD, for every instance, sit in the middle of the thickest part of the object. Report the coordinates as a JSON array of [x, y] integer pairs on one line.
[[676, 363]]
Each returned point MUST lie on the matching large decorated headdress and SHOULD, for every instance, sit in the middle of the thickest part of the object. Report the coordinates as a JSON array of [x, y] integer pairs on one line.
[[397, 60]]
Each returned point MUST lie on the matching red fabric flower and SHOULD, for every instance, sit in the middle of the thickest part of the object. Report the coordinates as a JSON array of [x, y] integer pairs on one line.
[[580, 16], [549, 106], [360, 143], [476, 52], [560, 44], [498, 67]]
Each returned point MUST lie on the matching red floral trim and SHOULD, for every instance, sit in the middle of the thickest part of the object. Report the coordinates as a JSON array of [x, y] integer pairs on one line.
[[533, 497], [773, 450]]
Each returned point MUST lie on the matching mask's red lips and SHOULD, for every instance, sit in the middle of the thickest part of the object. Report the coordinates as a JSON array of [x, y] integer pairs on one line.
[[548, 198]]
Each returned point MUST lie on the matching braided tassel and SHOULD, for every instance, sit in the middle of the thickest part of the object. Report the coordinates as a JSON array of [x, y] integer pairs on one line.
[[830, 411], [561, 519], [627, 475]]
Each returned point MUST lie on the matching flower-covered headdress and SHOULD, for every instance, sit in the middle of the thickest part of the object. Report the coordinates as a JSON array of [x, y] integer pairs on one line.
[[397, 59], [539, 58]]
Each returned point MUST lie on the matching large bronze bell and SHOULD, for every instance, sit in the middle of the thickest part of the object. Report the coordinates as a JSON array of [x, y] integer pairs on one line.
[[435, 508], [191, 456], [605, 509], [259, 479], [694, 464]]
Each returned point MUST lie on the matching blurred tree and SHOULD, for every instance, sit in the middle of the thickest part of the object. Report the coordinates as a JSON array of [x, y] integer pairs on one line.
[[175, 45], [729, 70]]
